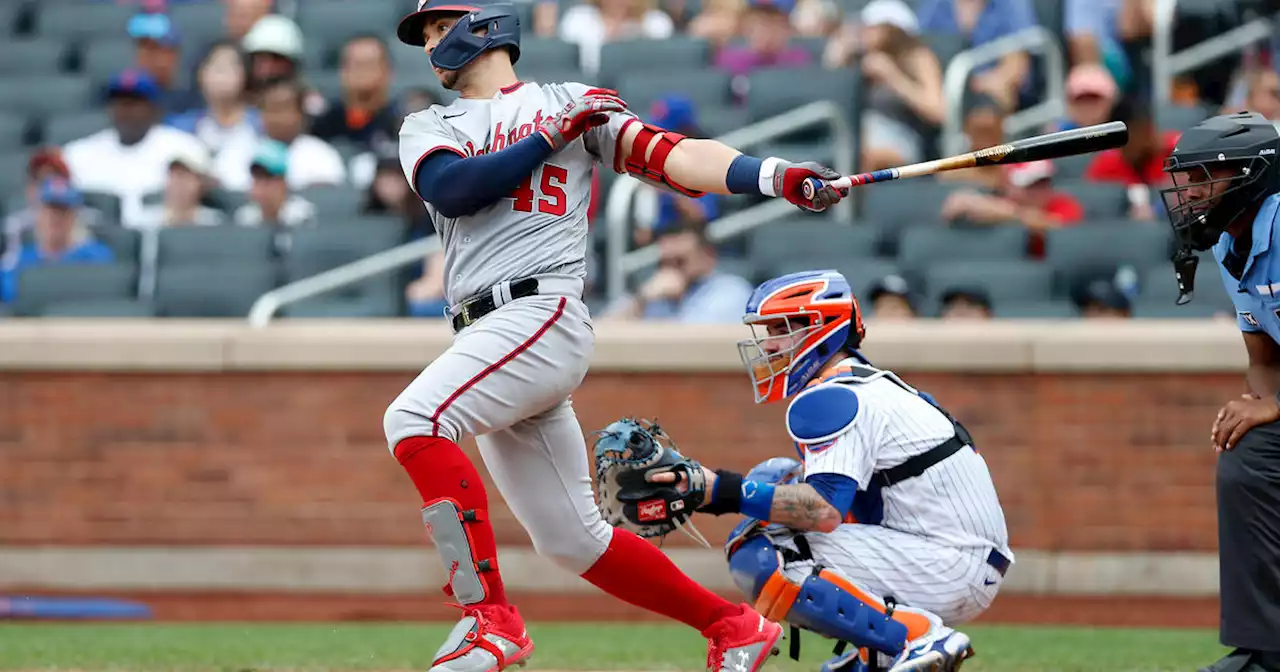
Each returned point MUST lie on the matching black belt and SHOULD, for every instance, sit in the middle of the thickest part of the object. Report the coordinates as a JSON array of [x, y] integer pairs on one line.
[[476, 307], [997, 560]]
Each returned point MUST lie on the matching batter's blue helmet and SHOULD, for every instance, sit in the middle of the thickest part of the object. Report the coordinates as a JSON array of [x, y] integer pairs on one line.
[[461, 45]]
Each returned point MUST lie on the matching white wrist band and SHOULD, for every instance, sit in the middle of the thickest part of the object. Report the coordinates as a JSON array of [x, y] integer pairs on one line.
[[767, 168]]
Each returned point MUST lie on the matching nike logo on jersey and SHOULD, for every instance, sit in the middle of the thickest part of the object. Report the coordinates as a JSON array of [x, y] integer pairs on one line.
[[988, 582], [450, 116]]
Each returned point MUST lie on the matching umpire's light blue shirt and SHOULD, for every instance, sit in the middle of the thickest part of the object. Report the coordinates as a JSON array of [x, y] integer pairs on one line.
[[1256, 294]]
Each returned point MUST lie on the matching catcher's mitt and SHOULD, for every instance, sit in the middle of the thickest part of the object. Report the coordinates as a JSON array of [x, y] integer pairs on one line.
[[627, 452]]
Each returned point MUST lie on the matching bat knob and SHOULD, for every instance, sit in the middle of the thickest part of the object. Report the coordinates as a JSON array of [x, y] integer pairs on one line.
[[810, 188]]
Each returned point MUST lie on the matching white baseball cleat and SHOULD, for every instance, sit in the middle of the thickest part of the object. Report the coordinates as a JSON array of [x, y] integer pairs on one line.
[[489, 638], [941, 649]]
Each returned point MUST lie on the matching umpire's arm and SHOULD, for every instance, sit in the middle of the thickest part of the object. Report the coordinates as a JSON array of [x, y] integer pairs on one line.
[[1263, 374]]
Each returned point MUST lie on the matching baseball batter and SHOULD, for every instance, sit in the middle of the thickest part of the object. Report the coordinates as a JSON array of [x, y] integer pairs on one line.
[[505, 173], [890, 530]]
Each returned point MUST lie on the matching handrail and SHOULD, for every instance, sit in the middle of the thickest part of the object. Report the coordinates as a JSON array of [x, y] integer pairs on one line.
[[265, 308], [1165, 65], [620, 263], [956, 77]]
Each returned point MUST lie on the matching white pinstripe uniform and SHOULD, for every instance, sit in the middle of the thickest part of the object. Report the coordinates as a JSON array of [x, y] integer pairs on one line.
[[925, 541]]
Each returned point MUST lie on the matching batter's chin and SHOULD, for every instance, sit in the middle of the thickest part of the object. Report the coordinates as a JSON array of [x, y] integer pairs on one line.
[[448, 78]]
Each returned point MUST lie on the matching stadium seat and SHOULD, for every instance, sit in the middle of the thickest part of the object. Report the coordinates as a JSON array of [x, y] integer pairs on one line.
[[45, 95], [326, 81], [212, 289], [102, 58], [707, 88], [108, 204], [335, 201], [945, 45], [667, 55], [210, 244], [1035, 310], [1080, 253], [106, 308], [549, 75], [721, 119], [1172, 117], [331, 22], [317, 250], [199, 22], [64, 128], [13, 131], [1146, 308], [79, 20], [1009, 280], [124, 243], [816, 240], [542, 53], [13, 173], [774, 91], [41, 286], [1070, 168], [924, 246], [905, 202], [1158, 285], [326, 308], [1098, 199], [860, 272], [32, 56]]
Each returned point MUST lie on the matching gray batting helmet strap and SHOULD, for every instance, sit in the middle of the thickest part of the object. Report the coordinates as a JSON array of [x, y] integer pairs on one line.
[[446, 525]]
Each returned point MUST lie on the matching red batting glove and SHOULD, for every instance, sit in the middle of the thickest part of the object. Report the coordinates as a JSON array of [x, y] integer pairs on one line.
[[579, 116]]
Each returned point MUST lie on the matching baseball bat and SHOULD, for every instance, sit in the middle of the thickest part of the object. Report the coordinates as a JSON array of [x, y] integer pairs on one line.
[[1049, 146]]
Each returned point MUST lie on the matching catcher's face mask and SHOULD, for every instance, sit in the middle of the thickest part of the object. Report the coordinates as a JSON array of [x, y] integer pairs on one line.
[[771, 353]]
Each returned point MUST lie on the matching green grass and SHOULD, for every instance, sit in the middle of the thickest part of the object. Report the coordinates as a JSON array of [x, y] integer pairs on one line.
[[237, 647]]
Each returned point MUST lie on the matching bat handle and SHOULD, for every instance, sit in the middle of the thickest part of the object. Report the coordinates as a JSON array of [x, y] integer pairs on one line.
[[811, 185]]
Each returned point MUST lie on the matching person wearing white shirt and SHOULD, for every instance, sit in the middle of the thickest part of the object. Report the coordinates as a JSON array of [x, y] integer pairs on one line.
[[130, 159], [311, 161], [592, 23], [271, 201]]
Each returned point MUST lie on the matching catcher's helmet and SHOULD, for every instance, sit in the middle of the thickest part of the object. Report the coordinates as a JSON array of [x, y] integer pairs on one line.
[[461, 44], [1221, 170], [807, 317]]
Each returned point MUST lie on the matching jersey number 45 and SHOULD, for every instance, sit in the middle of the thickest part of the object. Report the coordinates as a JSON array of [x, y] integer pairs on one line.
[[550, 196]]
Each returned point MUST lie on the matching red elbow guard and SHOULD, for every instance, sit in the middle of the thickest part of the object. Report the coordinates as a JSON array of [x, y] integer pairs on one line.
[[652, 169]]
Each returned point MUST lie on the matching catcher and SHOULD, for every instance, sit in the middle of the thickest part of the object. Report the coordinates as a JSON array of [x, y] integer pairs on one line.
[[883, 535]]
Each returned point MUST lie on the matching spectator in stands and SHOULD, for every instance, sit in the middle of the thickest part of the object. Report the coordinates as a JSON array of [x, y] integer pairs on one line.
[[130, 159], [275, 49], [312, 161], [983, 21], [388, 193], [271, 201], [226, 117], [904, 82], [768, 33], [718, 22], [60, 238], [891, 299], [984, 127], [965, 303], [160, 53], [242, 15], [1093, 34], [425, 296], [1263, 94], [184, 194], [1028, 198], [365, 115], [45, 163], [687, 287], [667, 210], [417, 99], [1101, 299], [1091, 94], [816, 18], [1141, 160], [593, 23]]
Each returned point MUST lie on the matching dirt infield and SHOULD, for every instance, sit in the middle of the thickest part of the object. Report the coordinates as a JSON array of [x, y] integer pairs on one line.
[[1011, 609]]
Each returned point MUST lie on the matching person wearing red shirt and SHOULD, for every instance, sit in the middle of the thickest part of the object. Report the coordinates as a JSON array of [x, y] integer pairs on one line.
[[1141, 160], [1027, 198]]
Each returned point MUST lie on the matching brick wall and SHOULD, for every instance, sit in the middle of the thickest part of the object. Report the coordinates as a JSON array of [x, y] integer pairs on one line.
[[1083, 462]]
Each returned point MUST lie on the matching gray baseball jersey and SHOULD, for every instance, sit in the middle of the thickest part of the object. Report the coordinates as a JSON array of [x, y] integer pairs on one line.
[[542, 228]]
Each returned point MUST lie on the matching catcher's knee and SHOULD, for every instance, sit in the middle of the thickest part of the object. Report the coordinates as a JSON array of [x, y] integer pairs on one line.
[[823, 602]]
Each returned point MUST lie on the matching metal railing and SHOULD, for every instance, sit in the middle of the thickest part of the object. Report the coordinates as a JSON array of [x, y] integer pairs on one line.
[[620, 263], [955, 79], [267, 305], [1165, 65]]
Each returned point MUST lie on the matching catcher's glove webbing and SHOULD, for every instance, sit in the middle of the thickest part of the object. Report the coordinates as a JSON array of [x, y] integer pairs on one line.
[[627, 452]]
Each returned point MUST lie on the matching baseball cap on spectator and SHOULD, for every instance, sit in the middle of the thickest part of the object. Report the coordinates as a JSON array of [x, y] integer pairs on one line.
[[274, 34], [892, 13], [675, 112], [890, 285], [1091, 79], [783, 6], [194, 158], [271, 159], [134, 83], [47, 158], [158, 28], [1103, 295], [58, 192], [1023, 175], [974, 295]]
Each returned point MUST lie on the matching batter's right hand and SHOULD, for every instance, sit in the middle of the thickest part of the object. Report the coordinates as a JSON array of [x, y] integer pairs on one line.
[[580, 115]]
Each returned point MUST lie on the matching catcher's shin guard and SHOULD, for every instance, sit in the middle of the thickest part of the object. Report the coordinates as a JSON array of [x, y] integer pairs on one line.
[[824, 603], [446, 524]]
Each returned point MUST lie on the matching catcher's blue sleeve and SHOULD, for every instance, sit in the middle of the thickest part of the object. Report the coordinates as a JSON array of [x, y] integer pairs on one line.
[[837, 489]]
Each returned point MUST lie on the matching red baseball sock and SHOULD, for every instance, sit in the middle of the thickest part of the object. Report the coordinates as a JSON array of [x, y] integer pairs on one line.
[[637, 572], [439, 468]]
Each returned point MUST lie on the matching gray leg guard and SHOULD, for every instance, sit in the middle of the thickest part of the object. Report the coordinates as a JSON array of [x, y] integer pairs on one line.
[[446, 524]]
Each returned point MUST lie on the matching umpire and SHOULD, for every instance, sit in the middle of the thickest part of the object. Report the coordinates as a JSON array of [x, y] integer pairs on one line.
[[1225, 196]]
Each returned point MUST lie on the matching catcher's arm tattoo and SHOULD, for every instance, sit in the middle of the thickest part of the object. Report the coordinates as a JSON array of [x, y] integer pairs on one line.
[[800, 507]]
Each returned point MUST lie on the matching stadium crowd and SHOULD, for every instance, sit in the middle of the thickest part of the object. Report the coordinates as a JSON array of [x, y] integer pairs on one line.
[[180, 158]]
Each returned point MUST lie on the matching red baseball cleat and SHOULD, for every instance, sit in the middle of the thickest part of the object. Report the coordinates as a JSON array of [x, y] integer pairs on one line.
[[741, 643], [489, 638]]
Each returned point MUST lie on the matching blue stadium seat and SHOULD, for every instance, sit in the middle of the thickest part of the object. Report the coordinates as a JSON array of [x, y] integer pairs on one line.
[[775, 91], [542, 53], [79, 20], [707, 88], [124, 243], [924, 246], [64, 128], [335, 201], [187, 290], [668, 55], [1080, 253], [327, 24], [207, 244], [1157, 285], [721, 119], [41, 96], [1010, 280], [104, 57], [199, 22], [42, 286], [13, 130], [905, 202], [815, 240], [32, 56]]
